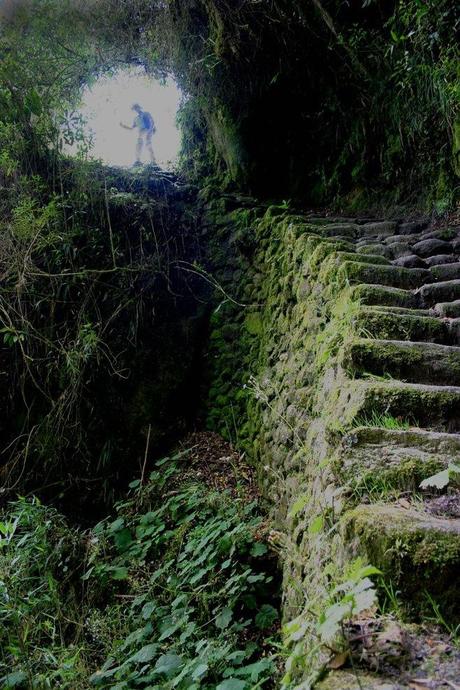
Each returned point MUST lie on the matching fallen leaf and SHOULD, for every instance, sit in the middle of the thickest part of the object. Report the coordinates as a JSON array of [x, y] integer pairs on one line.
[[338, 660], [420, 684], [391, 633]]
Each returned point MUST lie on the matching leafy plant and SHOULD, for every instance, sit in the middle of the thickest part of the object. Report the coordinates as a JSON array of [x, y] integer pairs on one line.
[[175, 592], [39, 589], [200, 601], [384, 421], [348, 599], [442, 479]]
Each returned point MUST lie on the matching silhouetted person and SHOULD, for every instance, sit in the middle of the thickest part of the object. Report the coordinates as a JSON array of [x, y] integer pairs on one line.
[[146, 128]]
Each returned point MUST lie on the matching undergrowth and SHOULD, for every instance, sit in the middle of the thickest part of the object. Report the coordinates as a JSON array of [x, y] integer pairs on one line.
[[176, 591]]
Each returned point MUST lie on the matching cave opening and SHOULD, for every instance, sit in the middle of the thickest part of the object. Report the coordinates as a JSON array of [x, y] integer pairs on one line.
[[104, 125]]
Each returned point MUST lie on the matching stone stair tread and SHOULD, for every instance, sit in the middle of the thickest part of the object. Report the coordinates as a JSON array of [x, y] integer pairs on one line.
[[394, 518], [445, 291], [408, 260], [438, 259], [447, 309], [432, 347], [435, 441], [325, 220], [400, 311], [384, 296], [406, 360], [382, 228], [419, 551], [448, 271], [389, 276], [363, 258], [406, 239], [401, 324], [352, 680], [431, 246], [348, 230], [426, 405], [374, 248], [402, 457], [411, 227]]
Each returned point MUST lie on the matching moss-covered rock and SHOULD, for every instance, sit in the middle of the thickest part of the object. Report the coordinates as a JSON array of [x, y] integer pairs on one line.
[[419, 552]]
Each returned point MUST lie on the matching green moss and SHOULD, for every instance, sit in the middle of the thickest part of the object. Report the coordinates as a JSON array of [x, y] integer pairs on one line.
[[391, 276], [383, 483], [418, 552], [371, 294], [399, 326], [253, 323]]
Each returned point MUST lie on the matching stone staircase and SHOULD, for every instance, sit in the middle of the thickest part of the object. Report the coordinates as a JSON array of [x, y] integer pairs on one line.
[[398, 363], [350, 341]]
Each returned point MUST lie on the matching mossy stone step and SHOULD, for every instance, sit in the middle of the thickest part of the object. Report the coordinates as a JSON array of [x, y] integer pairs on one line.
[[349, 230], [390, 276], [359, 680], [374, 248], [404, 310], [379, 229], [426, 406], [449, 310], [363, 258], [420, 553], [449, 271], [381, 295], [324, 220], [387, 459], [417, 362], [401, 325], [454, 330], [446, 291]]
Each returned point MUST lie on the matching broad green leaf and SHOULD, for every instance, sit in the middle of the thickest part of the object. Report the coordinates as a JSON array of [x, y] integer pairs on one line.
[[366, 571], [168, 628], [123, 539], [100, 676], [199, 671], [364, 600], [316, 525], [299, 505], [333, 616], [13, 680], [232, 684], [258, 549], [116, 525], [148, 609], [437, 481], [266, 616], [224, 618], [255, 670], [145, 654], [168, 663]]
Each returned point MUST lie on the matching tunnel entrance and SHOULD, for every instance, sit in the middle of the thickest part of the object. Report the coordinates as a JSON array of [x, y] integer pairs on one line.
[[103, 127]]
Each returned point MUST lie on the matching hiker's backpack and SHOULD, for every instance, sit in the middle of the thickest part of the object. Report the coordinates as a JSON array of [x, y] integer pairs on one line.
[[147, 122]]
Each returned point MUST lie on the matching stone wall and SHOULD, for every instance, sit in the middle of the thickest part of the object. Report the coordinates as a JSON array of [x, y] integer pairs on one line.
[[333, 366]]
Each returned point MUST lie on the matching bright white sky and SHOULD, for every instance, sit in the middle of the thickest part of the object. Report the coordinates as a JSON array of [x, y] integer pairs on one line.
[[109, 101]]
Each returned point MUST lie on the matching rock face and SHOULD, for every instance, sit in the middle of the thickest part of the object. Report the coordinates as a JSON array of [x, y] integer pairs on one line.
[[343, 384]]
